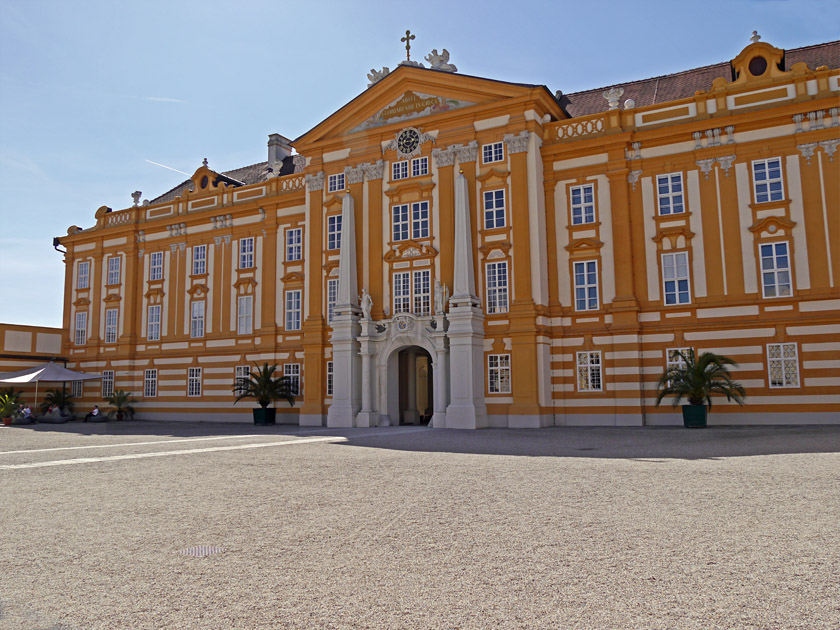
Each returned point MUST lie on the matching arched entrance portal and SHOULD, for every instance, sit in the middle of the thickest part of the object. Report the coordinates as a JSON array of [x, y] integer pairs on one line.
[[416, 391]]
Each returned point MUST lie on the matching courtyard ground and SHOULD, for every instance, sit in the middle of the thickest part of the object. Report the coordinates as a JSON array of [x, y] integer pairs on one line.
[[601, 528]]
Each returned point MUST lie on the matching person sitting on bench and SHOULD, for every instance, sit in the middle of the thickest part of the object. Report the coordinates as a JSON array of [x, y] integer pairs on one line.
[[93, 415]]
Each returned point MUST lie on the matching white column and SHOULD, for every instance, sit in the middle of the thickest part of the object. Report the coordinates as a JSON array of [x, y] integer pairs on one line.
[[367, 417], [440, 367]]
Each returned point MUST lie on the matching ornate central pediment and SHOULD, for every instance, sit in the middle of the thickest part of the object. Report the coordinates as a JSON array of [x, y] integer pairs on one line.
[[409, 106]]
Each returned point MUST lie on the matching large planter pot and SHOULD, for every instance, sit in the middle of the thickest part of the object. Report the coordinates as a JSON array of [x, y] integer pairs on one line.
[[7, 421], [694, 416], [265, 416]]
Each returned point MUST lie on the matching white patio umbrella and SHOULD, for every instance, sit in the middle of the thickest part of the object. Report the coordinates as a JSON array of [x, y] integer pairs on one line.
[[49, 372]]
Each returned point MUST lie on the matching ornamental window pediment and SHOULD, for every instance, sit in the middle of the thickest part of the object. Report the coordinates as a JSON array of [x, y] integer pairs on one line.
[[409, 250], [198, 291], [772, 226], [584, 244]]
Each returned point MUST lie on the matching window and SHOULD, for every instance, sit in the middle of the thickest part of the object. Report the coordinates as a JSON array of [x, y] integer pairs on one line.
[[111, 316], [402, 292], [292, 372], [150, 383], [76, 389], [197, 319], [400, 222], [673, 358], [418, 301], [782, 365], [194, 381], [153, 325], [419, 166], [494, 209], [494, 152], [583, 204], [241, 378], [399, 170], [107, 383], [497, 287], [675, 278], [335, 182], [332, 295], [498, 373], [244, 314], [669, 190], [83, 279], [246, 253], [589, 371], [329, 378], [156, 266], [294, 244], [767, 180], [81, 328], [586, 285], [293, 310], [423, 292], [775, 269], [114, 270], [199, 260], [420, 219], [334, 232]]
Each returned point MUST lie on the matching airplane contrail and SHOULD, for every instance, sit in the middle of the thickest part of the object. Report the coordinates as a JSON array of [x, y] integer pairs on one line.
[[169, 167]]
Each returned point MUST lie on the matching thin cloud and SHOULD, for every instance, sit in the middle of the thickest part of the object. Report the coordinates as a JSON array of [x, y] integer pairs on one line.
[[163, 99]]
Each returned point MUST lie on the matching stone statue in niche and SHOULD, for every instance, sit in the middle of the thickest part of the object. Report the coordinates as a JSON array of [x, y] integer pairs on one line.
[[367, 304], [440, 61], [441, 297]]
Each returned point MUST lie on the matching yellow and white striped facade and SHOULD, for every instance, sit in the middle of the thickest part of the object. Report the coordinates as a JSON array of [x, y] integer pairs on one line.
[[598, 244]]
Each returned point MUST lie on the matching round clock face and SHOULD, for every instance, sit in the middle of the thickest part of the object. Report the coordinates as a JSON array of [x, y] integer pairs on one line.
[[408, 141]]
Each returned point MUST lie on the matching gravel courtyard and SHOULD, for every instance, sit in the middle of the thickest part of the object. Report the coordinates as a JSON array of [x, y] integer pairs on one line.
[[415, 528]]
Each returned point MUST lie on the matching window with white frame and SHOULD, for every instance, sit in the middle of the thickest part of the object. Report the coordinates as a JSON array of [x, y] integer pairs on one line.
[[114, 270], [194, 381], [335, 182], [402, 292], [292, 372], [496, 275], [76, 389], [767, 180], [150, 383], [246, 252], [294, 244], [81, 328], [586, 285], [197, 319], [419, 166], [782, 365], [675, 278], [83, 277], [498, 373], [241, 378], [111, 317], [399, 170], [293, 309], [245, 314], [107, 384], [494, 209], [153, 323], [420, 219], [669, 194], [400, 222], [589, 371], [423, 292], [332, 296], [673, 358], [334, 231], [775, 269], [156, 266], [199, 260], [493, 152], [583, 204], [329, 378]]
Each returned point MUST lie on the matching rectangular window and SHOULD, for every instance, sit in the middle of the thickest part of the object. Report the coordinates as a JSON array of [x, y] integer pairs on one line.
[[294, 244], [197, 319], [156, 266], [329, 378], [199, 260], [494, 209], [194, 381], [767, 180], [583, 204], [586, 285], [76, 389], [400, 222], [293, 310], [150, 383], [334, 232], [420, 219], [399, 170], [589, 371], [422, 292], [419, 166], [107, 383], [335, 182], [292, 372], [669, 191], [498, 373], [332, 295], [494, 152], [111, 316], [246, 252], [83, 279], [114, 270], [402, 292], [782, 365], [675, 278], [245, 314], [775, 269], [81, 328], [241, 378], [673, 358], [153, 324], [497, 287]]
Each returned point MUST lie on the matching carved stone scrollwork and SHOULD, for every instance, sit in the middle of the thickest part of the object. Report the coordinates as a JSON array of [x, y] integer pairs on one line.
[[829, 146], [444, 157], [807, 150], [633, 177], [141, 236], [725, 162], [315, 182], [706, 166], [517, 143], [466, 153], [300, 162], [374, 170], [354, 175]]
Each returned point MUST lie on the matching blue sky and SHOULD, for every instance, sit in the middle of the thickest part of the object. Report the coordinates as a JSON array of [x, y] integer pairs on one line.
[[91, 91]]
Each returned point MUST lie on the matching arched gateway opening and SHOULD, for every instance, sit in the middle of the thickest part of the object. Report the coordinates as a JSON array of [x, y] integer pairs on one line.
[[416, 392]]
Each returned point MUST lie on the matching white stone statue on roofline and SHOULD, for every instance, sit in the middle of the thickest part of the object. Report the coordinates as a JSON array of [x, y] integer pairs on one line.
[[367, 304], [440, 61], [376, 76]]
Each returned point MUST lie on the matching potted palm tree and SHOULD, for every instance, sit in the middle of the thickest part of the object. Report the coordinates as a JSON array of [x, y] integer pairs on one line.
[[265, 388], [696, 379], [122, 405], [62, 399], [8, 407]]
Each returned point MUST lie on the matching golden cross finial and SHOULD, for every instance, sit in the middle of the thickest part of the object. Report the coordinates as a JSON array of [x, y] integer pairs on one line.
[[407, 39]]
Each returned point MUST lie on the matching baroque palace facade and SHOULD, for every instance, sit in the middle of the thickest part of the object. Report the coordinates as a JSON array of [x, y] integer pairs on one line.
[[483, 253]]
